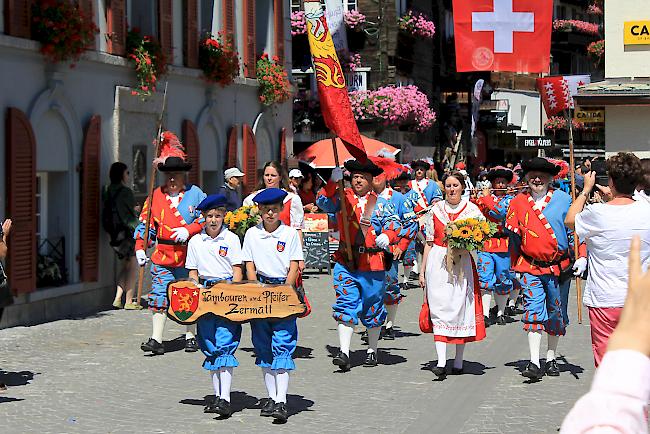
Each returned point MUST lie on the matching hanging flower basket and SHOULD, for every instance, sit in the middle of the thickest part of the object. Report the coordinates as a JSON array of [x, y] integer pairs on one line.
[[354, 20], [149, 61], [417, 25], [218, 60], [272, 78], [576, 26], [298, 23], [63, 29], [596, 51], [557, 123]]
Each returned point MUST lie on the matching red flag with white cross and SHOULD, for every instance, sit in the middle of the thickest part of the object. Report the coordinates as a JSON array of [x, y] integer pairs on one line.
[[503, 35], [555, 94]]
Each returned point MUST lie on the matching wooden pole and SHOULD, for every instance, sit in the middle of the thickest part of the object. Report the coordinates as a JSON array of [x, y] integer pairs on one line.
[[152, 183], [573, 198], [344, 209]]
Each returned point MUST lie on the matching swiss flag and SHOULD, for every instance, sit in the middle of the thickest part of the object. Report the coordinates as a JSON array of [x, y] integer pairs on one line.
[[503, 35], [555, 93]]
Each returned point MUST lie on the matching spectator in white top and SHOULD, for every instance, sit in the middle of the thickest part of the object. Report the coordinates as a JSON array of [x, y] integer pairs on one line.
[[607, 229], [295, 179], [643, 189]]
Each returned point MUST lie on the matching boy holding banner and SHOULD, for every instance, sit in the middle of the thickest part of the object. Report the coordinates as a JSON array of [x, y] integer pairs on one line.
[[271, 253], [214, 255]]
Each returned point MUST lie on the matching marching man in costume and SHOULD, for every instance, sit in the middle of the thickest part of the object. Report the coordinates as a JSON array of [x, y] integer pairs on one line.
[[494, 261], [213, 256], [402, 185], [174, 218], [428, 192], [539, 248], [359, 284], [403, 205], [272, 252]]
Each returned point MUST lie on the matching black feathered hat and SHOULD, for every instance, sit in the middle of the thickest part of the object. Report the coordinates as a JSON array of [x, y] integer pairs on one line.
[[420, 163], [500, 172], [367, 167], [539, 164]]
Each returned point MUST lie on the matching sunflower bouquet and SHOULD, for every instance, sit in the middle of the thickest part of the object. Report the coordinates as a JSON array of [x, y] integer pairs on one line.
[[240, 220], [469, 234]]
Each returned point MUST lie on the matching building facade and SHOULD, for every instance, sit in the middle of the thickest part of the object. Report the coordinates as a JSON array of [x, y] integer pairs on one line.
[[65, 126]]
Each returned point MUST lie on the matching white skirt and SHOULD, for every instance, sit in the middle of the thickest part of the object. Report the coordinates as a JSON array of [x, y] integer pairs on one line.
[[450, 297]]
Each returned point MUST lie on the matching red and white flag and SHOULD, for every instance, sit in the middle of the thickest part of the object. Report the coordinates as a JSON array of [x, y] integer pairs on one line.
[[574, 82], [503, 35], [555, 94]]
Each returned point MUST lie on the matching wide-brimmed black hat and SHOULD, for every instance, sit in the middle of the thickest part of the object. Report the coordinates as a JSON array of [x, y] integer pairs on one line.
[[539, 164], [506, 174], [404, 176], [367, 167], [420, 163], [174, 164]]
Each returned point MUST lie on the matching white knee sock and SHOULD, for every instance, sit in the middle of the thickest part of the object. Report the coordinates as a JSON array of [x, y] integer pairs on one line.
[[190, 331], [486, 298], [501, 300], [282, 381], [373, 339], [345, 337], [514, 294], [458, 360], [552, 347], [225, 378], [215, 383], [534, 342], [407, 272], [158, 320], [416, 264], [269, 380], [392, 314], [441, 351]]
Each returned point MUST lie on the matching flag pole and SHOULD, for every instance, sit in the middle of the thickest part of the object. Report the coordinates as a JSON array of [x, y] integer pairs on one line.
[[152, 181], [344, 208], [573, 198]]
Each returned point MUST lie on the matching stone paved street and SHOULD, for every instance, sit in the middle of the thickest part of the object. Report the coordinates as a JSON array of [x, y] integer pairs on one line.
[[89, 375]]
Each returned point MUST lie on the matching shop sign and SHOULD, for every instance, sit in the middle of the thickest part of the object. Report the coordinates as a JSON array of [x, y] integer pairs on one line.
[[636, 33], [356, 80], [590, 116], [534, 142], [494, 119]]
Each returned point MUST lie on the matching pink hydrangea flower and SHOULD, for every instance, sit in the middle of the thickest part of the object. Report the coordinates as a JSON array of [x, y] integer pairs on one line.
[[417, 24]]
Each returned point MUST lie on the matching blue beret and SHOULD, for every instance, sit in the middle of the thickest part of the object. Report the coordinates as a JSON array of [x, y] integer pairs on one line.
[[211, 202], [269, 196]]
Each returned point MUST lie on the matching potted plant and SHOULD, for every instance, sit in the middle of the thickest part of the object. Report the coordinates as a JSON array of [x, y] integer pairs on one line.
[[149, 61], [355, 22], [218, 60], [272, 78]]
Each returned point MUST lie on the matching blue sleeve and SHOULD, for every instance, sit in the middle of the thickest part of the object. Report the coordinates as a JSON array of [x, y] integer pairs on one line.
[[432, 192], [409, 221], [386, 220], [327, 204], [139, 232], [501, 208]]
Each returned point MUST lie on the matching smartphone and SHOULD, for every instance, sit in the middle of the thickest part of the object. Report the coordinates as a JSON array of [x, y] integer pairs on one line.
[[600, 167]]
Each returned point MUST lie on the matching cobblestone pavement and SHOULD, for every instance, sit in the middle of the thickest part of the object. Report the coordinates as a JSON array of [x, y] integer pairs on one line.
[[89, 375]]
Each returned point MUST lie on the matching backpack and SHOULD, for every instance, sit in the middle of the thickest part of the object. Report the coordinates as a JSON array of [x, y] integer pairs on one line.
[[111, 221]]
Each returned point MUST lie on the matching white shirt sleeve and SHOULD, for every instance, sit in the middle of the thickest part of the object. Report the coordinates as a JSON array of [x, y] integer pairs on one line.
[[248, 201], [295, 254], [191, 262], [586, 223], [247, 249], [236, 252], [296, 212]]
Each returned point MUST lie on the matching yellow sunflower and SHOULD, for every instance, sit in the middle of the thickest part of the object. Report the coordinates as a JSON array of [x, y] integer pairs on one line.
[[485, 227], [455, 233], [478, 234], [465, 232]]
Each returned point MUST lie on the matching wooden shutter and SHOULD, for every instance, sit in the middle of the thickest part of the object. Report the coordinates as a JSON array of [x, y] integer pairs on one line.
[[278, 14], [116, 24], [166, 28], [250, 159], [18, 18], [250, 56], [231, 149], [191, 34], [283, 147], [90, 191], [20, 185], [193, 150], [228, 13]]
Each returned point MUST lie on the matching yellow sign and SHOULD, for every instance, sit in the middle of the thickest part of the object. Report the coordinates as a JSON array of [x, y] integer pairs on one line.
[[637, 33], [590, 116]]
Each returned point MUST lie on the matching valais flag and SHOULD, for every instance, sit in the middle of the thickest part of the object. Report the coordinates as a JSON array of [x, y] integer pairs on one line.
[[557, 92], [503, 35], [332, 91]]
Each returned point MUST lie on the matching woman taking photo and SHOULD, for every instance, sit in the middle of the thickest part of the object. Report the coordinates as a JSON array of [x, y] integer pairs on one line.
[[453, 295]]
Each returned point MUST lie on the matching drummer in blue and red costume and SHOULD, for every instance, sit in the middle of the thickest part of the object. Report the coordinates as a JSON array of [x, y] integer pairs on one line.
[[404, 207], [494, 260], [174, 219], [373, 226], [539, 248]]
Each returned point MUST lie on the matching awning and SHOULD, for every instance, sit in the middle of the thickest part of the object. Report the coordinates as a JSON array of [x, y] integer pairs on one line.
[[615, 91]]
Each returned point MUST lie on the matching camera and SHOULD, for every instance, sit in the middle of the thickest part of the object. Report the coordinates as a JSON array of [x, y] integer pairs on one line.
[[600, 167]]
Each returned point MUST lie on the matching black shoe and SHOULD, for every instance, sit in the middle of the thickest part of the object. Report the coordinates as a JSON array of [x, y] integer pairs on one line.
[[457, 371], [371, 360], [153, 346], [509, 310], [493, 311], [532, 371], [440, 372], [342, 361], [267, 407], [414, 276], [223, 408], [404, 286], [191, 346], [501, 320], [389, 334], [211, 407], [280, 412], [488, 321], [552, 370]]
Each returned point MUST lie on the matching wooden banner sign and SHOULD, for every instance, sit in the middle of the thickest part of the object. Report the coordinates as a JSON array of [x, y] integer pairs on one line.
[[238, 302]]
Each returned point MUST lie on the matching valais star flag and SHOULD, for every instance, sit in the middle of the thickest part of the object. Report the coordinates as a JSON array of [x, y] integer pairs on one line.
[[332, 91], [503, 35], [558, 91]]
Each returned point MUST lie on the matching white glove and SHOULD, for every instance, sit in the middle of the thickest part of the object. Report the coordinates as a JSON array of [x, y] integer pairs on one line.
[[337, 174], [580, 266], [141, 257], [382, 241], [180, 235]]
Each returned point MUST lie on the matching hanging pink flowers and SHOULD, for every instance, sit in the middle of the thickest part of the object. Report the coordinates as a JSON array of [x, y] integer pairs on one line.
[[576, 26], [417, 24], [298, 23], [396, 106], [354, 19]]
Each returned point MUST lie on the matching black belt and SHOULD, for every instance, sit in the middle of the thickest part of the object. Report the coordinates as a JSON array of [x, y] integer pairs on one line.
[[546, 264], [364, 249], [500, 235], [171, 242]]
